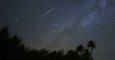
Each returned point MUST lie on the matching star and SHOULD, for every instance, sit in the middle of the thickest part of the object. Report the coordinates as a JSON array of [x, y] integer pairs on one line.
[[17, 19]]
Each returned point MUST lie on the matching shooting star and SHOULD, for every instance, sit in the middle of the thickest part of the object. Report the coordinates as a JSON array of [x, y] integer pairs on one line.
[[50, 10]]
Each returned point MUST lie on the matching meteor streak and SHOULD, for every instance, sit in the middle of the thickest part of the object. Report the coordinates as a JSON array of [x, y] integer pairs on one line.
[[50, 10]]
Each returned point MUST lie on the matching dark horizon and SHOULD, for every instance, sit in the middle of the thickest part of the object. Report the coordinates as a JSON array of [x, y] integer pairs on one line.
[[12, 48]]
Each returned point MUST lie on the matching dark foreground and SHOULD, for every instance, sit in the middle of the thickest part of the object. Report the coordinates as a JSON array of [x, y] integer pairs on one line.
[[11, 48]]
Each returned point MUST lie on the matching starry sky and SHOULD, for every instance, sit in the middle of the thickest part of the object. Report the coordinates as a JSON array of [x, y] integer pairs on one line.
[[62, 24]]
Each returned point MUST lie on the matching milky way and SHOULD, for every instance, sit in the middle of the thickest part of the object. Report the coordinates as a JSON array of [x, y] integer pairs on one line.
[[62, 24]]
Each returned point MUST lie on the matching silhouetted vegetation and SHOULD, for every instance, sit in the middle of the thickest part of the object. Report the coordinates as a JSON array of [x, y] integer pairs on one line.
[[11, 48]]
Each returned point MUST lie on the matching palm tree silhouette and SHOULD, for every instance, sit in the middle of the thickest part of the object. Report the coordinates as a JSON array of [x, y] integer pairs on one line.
[[80, 49], [91, 45]]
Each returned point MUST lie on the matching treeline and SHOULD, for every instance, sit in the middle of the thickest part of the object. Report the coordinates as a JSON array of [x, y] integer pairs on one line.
[[11, 48]]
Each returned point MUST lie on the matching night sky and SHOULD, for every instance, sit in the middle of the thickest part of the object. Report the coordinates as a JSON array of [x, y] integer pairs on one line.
[[62, 24]]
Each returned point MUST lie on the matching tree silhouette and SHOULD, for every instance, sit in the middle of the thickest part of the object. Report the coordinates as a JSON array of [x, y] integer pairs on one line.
[[72, 55], [86, 55], [11, 48], [80, 49], [91, 45]]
